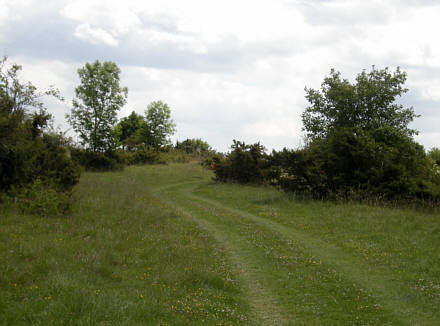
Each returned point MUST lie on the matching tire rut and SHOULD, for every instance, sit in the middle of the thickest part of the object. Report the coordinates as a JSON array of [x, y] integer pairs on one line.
[[265, 309], [378, 279], [352, 268]]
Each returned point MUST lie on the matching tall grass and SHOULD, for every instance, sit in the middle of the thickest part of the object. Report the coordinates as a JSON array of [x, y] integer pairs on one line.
[[121, 258]]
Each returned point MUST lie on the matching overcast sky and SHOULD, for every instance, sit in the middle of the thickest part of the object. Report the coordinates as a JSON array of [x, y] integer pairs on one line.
[[230, 69]]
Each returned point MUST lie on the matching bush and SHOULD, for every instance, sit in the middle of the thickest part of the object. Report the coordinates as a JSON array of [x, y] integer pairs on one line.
[[141, 155], [194, 146], [351, 163], [146, 155], [97, 161], [245, 164], [42, 198], [28, 152]]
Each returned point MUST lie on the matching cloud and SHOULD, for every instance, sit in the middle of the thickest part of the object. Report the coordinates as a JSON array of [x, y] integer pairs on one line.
[[345, 12], [95, 35]]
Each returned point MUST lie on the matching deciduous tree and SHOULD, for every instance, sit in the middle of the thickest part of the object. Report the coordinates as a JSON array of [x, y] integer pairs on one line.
[[159, 125], [98, 99], [369, 103]]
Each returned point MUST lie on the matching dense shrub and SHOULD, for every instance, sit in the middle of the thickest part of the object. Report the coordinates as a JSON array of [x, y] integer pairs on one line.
[[27, 150], [194, 146], [43, 198], [244, 164], [97, 161], [142, 155], [351, 162]]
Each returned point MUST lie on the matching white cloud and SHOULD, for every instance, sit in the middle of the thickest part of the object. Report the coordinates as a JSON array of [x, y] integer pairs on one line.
[[10, 10], [114, 16], [346, 12], [95, 35]]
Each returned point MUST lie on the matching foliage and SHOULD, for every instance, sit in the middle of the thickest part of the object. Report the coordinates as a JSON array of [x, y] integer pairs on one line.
[[245, 163], [359, 143], [27, 150], [194, 146], [44, 199], [350, 163], [141, 155], [367, 104], [98, 99], [158, 125], [434, 154], [97, 161], [129, 131]]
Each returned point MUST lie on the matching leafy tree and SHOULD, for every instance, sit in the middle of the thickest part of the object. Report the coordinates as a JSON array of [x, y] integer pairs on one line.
[[98, 99], [434, 154], [159, 125], [368, 104], [129, 130], [359, 142]]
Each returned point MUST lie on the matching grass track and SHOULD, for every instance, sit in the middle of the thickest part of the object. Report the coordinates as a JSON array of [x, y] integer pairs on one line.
[[164, 245], [264, 308], [378, 285]]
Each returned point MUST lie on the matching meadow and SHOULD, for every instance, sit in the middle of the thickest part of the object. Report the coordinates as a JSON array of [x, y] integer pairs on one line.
[[165, 245]]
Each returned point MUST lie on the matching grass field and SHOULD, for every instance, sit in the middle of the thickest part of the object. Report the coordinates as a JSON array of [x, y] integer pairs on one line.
[[164, 245]]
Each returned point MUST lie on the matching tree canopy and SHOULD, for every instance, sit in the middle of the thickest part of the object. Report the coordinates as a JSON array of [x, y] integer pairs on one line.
[[129, 130], [98, 99], [192, 146], [369, 103], [159, 125]]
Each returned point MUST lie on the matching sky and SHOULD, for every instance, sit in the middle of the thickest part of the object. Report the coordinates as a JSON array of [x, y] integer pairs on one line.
[[230, 69]]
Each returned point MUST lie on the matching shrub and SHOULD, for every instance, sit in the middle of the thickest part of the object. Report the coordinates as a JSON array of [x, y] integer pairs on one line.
[[42, 198], [28, 151], [244, 164], [145, 155], [350, 162], [194, 146], [97, 161]]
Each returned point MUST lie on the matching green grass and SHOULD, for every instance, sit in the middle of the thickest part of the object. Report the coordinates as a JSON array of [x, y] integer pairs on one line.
[[164, 245]]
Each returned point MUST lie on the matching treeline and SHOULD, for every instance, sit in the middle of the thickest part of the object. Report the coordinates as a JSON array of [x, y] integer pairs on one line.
[[39, 166], [109, 144], [358, 145]]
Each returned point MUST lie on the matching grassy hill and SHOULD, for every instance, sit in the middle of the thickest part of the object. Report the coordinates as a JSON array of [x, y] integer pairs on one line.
[[164, 245]]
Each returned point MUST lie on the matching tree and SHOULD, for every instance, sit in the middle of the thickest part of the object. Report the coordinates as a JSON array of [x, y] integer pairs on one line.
[[129, 130], [434, 154], [159, 125], [98, 99], [367, 104], [359, 142]]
